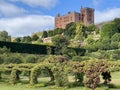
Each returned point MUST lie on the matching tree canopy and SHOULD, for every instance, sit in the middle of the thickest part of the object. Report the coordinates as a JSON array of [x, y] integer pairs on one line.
[[4, 36]]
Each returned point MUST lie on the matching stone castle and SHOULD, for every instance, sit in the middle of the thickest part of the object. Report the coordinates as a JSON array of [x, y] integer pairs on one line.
[[86, 16]]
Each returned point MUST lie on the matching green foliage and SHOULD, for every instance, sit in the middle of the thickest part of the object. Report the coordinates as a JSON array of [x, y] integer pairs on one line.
[[26, 39], [92, 72], [0, 76], [34, 37], [99, 55], [114, 45], [93, 46], [45, 34], [58, 88], [117, 22], [61, 43], [1, 60], [50, 33], [4, 36], [76, 58], [13, 59], [105, 44], [30, 59], [69, 52], [39, 34], [58, 31], [36, 85], [108, 30], [91, 28], [74, 43], [99, 88], [116, 37], [61, 78], [39, 40], [70, 30], [90, 39], [114, 66], [3, 53], [18, 39], [79, 77], [34, 75], [13, 76], [109, 37], [92, 69], [4, 50], [25, 48], [106, 76], [80, 32], [115, 55], [41, 49], [59, 65]]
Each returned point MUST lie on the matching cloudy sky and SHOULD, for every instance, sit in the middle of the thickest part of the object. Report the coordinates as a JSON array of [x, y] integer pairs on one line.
[[24, 17]]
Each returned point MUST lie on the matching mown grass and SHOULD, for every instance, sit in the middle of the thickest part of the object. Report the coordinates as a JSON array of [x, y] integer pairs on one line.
[[24, 83]]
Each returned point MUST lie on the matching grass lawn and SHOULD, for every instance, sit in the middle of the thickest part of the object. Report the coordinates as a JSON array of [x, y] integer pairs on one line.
[[20, 86]]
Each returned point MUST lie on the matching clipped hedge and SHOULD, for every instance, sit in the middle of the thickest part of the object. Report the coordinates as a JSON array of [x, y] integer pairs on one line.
[[35, 49], [35, 72], [60, 68], [24, 48]]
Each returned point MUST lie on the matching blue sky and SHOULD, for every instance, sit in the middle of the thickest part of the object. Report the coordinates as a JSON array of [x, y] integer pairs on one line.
[[24, 17]]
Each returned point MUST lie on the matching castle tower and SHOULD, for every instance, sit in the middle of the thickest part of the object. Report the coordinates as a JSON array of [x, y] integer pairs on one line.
[[87, 15]]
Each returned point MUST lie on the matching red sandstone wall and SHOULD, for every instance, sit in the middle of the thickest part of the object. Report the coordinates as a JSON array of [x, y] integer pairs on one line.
[[86, 16]]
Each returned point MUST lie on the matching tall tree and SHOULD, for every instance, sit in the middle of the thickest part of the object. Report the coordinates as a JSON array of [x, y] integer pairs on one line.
[[61, 43], [4, 36], [117, 22], [34, 37], [17, 39], [58, 31], [70, 30], [116, 37], [50, 33], [92, 27], [45, 34], [26, 39], [80, 32], [108, 30]]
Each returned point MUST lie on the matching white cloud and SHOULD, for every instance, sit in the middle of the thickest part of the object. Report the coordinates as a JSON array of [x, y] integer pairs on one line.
[[107, 15], [96, 2], [43, 3], [8, 9], [21, 26]]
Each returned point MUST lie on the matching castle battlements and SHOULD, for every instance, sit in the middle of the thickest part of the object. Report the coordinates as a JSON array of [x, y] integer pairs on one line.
[[86, 16]]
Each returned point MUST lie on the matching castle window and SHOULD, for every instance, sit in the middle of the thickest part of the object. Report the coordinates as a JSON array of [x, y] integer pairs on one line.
[[90, 15], [90, 19]]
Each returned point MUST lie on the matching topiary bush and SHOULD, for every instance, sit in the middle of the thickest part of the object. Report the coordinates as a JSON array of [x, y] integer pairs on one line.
[[92, 70], [79, 77], [13, 76], [59, 69], [36, 71], [30, 59], [13, 59]]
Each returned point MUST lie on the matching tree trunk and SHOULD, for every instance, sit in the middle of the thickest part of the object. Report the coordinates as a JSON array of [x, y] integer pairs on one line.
[[17, 75], [0, 76], [51, 74], [29, 75]]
